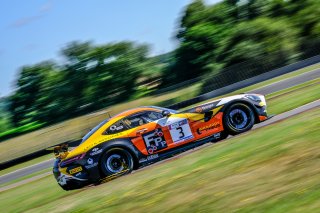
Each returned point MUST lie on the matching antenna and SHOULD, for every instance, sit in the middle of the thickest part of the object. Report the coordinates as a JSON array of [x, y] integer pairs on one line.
[[109, 114]]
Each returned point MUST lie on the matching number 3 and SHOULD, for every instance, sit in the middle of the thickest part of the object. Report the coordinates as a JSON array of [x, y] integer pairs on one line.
[[181, 132]]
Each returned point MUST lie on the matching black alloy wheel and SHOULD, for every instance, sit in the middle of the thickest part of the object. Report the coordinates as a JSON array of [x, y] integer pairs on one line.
[[116, 161], [238, 118]]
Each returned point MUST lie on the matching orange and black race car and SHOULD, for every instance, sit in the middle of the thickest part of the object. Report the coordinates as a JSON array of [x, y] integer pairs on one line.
[[143, 135]]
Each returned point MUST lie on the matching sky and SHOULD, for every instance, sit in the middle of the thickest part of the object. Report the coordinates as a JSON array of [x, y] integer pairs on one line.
[[36, 30]]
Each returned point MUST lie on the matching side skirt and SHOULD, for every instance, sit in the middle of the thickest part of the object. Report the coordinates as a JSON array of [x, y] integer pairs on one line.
[[164, 155]]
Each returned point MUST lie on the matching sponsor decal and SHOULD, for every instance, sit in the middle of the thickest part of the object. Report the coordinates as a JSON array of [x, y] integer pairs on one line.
[[151, 149], [90, 161], [143, 160], [75, 170], [78, 174], [152, 157], [95, 151], [62, 180], [178, 124], [217, 135], [114, 127], [208, 127], [92, 165], [154, 141], [200, 109], [158, 132]]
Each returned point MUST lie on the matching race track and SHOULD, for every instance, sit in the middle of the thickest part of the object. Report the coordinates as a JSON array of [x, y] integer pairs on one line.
[[289, 82]]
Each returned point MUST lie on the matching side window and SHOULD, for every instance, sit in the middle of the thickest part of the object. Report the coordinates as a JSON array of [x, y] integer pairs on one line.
[[141, 118], [152, 116], [117, 127], [134, 120]]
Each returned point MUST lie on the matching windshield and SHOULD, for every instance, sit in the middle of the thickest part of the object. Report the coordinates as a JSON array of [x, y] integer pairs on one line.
[[94, 130], [162, 108]]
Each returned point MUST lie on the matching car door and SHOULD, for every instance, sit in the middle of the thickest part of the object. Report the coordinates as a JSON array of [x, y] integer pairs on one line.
[[174, 129], [205, 124], [152, 132], [145, 133], [178, 129]]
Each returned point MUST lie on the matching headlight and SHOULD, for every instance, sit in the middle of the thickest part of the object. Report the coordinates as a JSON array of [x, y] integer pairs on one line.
[[253, 98], [260, 99], [263, 101]]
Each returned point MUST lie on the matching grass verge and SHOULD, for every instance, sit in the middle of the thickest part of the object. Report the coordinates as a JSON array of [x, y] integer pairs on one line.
[[272, 169], [293, 97]]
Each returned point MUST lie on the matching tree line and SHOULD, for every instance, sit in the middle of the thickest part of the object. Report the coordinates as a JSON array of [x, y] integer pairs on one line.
[[211, 38], [214, 37]]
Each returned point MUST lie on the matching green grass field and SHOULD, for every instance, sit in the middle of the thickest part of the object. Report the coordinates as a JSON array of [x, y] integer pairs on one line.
[[293, 97], [74, 129], [271, 169]]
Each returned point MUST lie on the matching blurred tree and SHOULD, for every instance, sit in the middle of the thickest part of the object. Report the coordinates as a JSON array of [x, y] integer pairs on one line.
[[233, 31], [51, 101], [75, 76], [277, 8], [23, 104], [116, 70], [256, 8], [5, 123], [307, 20], [194, 42], [261, 37], [92, 77]]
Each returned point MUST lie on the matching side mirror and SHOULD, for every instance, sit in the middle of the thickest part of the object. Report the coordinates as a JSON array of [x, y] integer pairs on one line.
[[166, 113]]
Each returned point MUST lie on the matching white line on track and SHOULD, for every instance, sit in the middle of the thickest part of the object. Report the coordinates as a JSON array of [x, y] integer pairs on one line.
[[27, 167]]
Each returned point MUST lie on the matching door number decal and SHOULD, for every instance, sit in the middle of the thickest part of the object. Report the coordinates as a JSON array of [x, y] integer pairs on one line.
[[180, 131]]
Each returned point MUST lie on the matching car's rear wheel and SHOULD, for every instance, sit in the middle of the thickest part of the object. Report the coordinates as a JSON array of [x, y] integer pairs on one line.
[[223, 135], [238, 118], [116, 161]]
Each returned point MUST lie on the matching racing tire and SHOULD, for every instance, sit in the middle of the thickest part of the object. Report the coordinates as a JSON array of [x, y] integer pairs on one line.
[[223, 135], [238, 118], [116, 161]]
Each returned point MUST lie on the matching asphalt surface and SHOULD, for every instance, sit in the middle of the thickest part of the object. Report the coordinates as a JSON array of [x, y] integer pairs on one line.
[[277, 86], [286, 83], [26, 171]]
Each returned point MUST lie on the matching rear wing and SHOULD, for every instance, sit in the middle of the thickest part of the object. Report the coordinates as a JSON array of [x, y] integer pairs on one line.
[[60, 151]]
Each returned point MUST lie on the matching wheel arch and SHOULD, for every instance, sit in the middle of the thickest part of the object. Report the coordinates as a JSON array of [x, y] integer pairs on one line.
[[122, 144]]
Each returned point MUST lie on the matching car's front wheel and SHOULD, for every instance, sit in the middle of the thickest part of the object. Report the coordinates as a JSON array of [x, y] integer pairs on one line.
[[116, 161], [238, 118]]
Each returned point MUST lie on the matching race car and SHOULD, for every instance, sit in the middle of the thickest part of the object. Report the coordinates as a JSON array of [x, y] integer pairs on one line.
[[143, 135]]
